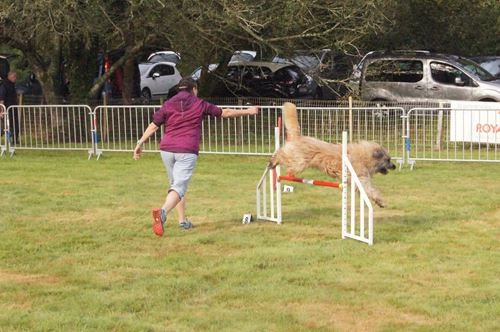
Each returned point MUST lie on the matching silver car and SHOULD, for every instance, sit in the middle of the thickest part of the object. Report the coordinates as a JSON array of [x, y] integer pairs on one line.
[[422, 75]]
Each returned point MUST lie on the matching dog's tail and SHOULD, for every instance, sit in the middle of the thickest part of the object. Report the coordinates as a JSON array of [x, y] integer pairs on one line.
[[291, 121]]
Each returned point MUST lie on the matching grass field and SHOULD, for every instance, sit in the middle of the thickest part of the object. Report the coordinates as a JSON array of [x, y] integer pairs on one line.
[[77, 251]]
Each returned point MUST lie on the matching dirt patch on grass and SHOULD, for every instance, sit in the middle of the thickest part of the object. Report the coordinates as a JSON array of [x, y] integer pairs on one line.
[[494, 215], [8, 276], [353, 318]]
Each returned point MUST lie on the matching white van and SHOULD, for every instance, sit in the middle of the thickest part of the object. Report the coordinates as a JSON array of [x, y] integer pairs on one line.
[[422, 75]]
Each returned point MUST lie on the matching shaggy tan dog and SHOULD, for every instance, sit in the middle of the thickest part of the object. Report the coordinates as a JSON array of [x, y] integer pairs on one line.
[[302, 152]]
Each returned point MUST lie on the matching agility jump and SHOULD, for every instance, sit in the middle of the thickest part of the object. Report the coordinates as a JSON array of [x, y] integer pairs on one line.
[[356, 207]]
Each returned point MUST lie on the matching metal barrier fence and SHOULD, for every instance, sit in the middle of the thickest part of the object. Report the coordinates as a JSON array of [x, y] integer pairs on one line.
[[3, 130], [117, 128], [381, 124], [459, 132], [251, 135], [49, 127], [463, 132]]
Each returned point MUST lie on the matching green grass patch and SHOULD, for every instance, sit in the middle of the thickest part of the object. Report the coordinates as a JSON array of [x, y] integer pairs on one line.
[[77, 251]]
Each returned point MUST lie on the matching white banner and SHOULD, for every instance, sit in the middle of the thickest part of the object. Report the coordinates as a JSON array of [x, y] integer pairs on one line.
[[477, 122]]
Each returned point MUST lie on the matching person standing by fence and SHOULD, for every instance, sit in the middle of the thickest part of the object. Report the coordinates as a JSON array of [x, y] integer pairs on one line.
[[8, 97], [182, 118]]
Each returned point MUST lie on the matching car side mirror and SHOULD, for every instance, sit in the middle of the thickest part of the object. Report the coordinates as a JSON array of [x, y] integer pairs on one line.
[[459, 81], [156, 75]]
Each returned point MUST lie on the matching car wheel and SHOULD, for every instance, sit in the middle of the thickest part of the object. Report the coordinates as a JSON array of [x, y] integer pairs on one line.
[[146, 96]]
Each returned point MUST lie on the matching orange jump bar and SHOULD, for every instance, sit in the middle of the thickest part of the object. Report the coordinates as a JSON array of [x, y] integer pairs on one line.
[[311, 182]]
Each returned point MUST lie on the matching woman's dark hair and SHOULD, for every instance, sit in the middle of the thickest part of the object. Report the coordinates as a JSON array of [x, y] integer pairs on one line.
[[187, 84]]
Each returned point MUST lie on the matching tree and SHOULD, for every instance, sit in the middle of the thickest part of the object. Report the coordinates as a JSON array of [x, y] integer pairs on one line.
[[128, 26], [215, 29], [48, 31], [37, 29], [464, 27]]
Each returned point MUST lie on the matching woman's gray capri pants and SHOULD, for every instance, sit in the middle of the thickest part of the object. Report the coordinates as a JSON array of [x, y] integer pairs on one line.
[[180, 167]]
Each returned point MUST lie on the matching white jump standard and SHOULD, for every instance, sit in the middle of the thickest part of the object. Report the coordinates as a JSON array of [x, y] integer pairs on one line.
[[268, 194]]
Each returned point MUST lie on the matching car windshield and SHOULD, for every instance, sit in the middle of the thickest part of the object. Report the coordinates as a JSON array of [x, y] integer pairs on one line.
[[473, 68], [491, 64], [241, 57], [306, 62]]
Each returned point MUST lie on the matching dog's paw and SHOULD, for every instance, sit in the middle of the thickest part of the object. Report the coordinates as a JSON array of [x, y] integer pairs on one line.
[[380, 203]]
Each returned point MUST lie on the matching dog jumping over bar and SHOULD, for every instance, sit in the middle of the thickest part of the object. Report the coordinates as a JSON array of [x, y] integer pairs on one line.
[[302, 152]]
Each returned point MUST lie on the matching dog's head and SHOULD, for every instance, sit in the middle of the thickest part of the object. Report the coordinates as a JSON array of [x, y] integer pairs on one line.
[[382, 161]]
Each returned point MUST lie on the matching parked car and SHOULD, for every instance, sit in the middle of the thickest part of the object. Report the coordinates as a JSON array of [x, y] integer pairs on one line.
[[422, 75], [268, 79], [490, 63], [157, 79], [165, 56], [238, 56], [310, 61], [331, 69]]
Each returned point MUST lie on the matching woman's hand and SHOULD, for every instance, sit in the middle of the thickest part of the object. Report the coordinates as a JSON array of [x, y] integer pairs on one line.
[[150, 130], [253, 110], [137, 151]]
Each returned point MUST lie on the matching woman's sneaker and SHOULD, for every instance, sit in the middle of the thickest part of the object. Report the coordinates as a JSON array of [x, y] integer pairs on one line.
[[159, 219], [186, 224]]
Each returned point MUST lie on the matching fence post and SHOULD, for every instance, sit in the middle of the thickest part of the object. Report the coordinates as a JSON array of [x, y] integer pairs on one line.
[[439, 127], [3, 129], [350, 119], [404, 119], [104, 118], [93, 133], [9, 147], [408, 139]]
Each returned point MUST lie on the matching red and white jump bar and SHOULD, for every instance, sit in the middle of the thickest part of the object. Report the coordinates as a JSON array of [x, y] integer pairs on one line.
[[311, 182]]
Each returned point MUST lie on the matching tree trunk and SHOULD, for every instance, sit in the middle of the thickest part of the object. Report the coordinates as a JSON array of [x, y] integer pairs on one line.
[[128, 81], [46, 69], [81, 70]]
